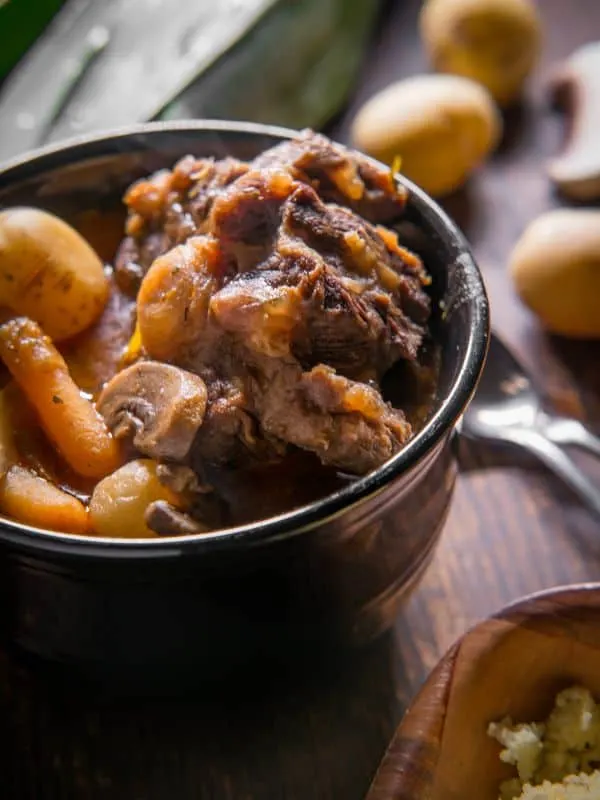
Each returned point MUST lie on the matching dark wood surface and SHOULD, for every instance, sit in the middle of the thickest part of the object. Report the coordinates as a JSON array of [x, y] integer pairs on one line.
[[512, 530]]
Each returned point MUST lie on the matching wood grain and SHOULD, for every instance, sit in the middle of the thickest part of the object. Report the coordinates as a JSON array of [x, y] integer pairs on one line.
[[513, 528], [511, 664], [319, 735]]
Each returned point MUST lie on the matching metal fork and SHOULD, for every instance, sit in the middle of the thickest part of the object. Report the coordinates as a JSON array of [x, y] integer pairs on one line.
[[508, 408]]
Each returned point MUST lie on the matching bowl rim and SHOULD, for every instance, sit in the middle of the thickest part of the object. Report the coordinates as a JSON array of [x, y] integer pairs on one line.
[[526, 604], [305, 517]]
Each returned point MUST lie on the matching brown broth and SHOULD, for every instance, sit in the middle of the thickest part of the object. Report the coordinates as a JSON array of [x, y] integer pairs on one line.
[[95, 355], [412, 386], [103, 230]]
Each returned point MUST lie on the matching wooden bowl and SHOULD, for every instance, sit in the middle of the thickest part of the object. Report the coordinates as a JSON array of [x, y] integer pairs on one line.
[[512, 663]]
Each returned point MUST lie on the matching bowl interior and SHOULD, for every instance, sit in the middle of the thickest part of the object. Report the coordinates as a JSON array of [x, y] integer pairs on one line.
[[513, 664], [91, 175]]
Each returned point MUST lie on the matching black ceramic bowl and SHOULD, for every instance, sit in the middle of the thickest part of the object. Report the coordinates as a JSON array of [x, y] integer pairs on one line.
[[332, 572]]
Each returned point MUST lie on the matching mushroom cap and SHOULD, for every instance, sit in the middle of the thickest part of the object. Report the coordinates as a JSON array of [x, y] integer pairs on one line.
[[157, 406], [166, 520]]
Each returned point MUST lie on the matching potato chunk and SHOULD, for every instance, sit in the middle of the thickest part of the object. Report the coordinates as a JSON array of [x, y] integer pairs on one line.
[[119, 502], [49, 272]]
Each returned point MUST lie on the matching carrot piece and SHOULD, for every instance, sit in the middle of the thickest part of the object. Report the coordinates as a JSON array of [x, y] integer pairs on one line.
[[70, 420], [29, 498], [133, 348], [8, 450]]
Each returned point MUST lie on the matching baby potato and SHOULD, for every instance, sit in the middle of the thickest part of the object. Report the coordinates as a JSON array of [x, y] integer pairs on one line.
[[441, 126], [555, 267], [119, 502], [494, 42], [49, 273]]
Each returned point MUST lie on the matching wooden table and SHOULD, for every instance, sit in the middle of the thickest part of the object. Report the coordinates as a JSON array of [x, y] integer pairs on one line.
[[513, 529]]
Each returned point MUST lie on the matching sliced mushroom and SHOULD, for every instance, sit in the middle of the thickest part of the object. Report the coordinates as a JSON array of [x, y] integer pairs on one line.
[[166, 520], [181, 479], [158, 407], [576, 88]]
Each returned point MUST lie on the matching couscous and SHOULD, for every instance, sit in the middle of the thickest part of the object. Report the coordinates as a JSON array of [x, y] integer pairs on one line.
[[557, 759]]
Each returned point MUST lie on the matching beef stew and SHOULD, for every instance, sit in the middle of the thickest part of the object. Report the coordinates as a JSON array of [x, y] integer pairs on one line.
[[253, 315]]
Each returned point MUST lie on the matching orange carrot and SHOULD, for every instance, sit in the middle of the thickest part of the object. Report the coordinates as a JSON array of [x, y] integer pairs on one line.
[[70, 420], [32, 499]]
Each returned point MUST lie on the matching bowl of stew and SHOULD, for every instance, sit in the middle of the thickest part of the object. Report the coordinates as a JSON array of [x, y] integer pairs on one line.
[[233, 360]]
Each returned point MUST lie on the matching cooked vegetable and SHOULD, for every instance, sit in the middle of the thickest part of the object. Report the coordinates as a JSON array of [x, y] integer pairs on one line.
[[576, 89], [8, 452], [174, 297], [119, 502], [441, 126], [555, 266], [133, 349], [49, 272], [68, 418], [32, 499], [254, 310], [158, 406], [494, 42]]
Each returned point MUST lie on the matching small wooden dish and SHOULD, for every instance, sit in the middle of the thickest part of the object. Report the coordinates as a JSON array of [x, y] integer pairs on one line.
[[513, 663]]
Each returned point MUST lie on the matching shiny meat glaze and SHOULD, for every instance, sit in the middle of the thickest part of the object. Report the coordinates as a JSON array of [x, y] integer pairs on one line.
[[263, 280]]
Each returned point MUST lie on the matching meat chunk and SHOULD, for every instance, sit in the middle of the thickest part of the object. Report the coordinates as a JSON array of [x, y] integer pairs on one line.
[[339, 174], [249, 331], [283, 302], [172, 205], [337, 289], [231, 435], [166, 209], [374, 287], [345, 423]]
